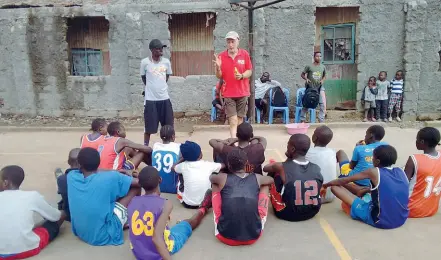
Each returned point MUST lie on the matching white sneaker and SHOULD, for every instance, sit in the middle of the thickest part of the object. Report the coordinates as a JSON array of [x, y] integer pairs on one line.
[[398, 119], [390, 119]]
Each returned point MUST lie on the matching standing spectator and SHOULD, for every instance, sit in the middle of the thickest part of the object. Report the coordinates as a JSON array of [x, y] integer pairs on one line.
[[155, 72], [396, 96], [314, 76], [262, 85], [234, 67], [382, 97], [368, 99]]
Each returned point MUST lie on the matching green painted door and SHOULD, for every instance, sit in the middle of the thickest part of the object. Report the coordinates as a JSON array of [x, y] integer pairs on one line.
[[340, 90]]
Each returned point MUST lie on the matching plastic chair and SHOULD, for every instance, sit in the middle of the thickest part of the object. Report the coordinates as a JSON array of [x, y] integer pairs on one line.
[[213, 108], [258, 115], [299, 106], [285, 110]]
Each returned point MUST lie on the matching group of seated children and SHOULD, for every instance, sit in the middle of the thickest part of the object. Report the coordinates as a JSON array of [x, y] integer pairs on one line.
[[380, 97], [102, 198]]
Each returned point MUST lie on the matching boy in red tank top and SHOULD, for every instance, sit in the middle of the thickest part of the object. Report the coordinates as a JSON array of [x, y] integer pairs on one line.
[[118, 153], [94, 139], [424, 174]]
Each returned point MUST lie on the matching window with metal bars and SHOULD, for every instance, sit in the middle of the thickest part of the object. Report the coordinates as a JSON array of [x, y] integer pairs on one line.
[[338, 44]]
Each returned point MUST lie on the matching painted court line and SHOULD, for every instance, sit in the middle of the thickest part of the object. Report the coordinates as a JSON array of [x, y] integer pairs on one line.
[[335, 241]]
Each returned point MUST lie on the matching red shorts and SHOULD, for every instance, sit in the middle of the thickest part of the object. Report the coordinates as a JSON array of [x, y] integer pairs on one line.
[[217, 212], [44, 241]]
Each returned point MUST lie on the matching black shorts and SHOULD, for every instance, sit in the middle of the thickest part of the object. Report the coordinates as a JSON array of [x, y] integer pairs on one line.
[[156, 112], [259, 105]]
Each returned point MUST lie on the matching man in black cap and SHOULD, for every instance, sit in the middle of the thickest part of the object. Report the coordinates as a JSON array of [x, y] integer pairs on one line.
[[155, 72]]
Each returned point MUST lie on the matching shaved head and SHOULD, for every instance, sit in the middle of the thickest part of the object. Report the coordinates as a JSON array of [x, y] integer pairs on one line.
[[73, 157], [322, 136], [298, 144]]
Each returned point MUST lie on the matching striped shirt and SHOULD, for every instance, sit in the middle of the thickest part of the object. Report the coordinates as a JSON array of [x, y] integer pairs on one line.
[[397, 86]]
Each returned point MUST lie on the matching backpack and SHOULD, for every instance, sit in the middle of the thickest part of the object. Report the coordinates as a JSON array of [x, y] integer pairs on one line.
[[311, 98], [279, 97]]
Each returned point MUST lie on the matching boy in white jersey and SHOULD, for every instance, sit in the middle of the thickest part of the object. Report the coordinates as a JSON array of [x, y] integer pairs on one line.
[[165, 154]]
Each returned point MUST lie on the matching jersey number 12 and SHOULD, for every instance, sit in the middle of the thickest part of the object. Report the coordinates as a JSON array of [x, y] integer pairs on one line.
[[311, 190]]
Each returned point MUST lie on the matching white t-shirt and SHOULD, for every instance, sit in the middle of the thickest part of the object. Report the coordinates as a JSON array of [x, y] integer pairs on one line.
[[156, 87], [17, 222], [196, 179], [326, 159]]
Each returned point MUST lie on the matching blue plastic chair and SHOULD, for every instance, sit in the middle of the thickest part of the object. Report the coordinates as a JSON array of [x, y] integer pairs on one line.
[[258, 113], [299, 106], [285, 110], [213, 109]]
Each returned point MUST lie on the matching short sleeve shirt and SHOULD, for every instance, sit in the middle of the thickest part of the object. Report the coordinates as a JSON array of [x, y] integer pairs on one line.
[[363, 155], [235, 88], [315, 73], [155, 73], [91, 202]]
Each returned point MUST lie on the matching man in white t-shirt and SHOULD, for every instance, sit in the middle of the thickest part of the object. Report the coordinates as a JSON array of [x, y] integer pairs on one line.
[[262, 85], [155, 72], [19, 237], [324, 157], [196, 174]]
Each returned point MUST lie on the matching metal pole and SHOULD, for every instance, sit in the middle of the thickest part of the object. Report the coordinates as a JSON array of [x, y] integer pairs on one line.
[[251, 103]]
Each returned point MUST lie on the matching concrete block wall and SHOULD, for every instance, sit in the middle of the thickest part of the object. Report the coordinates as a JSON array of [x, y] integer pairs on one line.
[[34, 72]]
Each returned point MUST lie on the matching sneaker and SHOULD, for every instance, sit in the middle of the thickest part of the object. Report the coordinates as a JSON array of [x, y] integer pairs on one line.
[[58, 172], [365, 119], [373, 119], [206, 202], [384, 120], [390, 119], [398, 119]]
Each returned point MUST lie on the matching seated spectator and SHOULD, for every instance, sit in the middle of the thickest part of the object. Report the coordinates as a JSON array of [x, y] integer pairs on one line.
[[324, 157], [19, 237], [240, 202], [295, 194], [62, 181], [154, 240], [253, 146], [98, 201], [196, 175], [424, 173], [262, 86], [218, 102]]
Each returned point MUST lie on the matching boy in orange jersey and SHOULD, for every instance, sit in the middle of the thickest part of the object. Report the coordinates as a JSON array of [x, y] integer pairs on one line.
[[94, 139], [118, 153], [424, 173]]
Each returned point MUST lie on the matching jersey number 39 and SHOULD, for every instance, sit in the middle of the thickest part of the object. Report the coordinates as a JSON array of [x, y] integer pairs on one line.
[[163, 162]]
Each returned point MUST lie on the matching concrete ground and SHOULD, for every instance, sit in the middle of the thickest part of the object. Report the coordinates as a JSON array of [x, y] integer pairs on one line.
[[330, 235]]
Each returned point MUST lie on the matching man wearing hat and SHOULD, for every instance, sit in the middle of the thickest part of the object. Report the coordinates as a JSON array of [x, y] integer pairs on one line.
[[155, 71], [235, 68]]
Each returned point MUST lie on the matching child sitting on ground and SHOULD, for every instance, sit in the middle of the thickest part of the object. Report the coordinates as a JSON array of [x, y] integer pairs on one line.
[[424, 173], [368, 98], [19, 238], [396, 96], [324, 157], [196, 174], [94, 139], [62, 181], [164, 155], [389, 189], [295, 193], [150, 236]]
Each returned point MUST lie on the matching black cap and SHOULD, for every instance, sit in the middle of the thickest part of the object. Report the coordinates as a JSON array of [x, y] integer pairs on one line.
[[156, 44]]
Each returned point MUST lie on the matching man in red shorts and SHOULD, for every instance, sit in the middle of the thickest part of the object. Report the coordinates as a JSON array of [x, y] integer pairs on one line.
[[235, 68], [240, 202]]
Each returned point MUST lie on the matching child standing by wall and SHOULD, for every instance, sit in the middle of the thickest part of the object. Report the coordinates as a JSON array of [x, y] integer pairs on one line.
[[382, 97], [368, 98], [396, 96]]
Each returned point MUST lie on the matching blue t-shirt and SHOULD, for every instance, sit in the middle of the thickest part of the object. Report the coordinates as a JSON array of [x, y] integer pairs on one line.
[[363, 156], [91, 203]]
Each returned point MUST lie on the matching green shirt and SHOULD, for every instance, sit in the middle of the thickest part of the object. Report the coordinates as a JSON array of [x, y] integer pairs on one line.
[[315, 73]]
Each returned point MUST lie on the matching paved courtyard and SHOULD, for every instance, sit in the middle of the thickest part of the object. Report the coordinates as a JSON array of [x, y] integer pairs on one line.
[[330, 235]]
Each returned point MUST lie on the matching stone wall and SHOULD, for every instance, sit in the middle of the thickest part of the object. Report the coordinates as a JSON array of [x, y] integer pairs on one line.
[[34, 72]]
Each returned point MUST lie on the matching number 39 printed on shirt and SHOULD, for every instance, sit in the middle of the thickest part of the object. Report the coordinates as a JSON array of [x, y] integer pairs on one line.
[[163, 161]]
